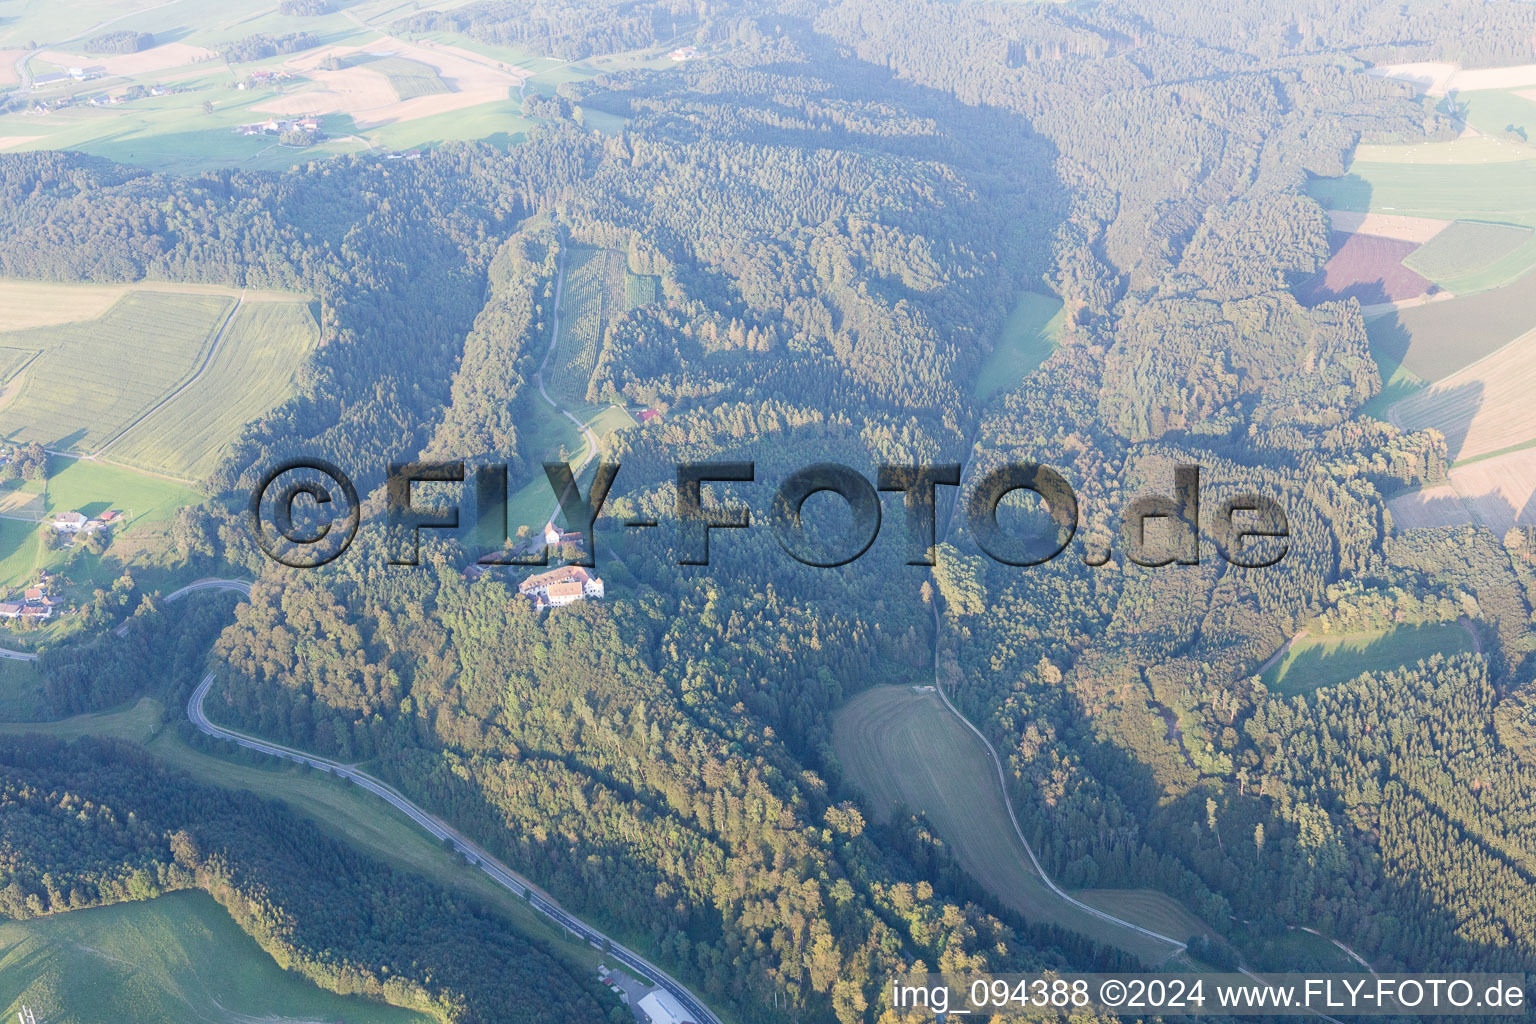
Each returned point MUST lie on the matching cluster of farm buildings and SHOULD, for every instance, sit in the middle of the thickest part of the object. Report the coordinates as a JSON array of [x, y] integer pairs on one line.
[[78, 522], [34, 604], [274, 126]]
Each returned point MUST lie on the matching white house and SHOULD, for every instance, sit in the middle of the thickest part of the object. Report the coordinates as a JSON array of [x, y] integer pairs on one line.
[[70, 522], [555, 536]]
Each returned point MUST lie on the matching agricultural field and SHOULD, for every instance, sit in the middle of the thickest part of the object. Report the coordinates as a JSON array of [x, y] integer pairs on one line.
[[1438, 339], [593, 294], [253, 370], [1504, 114], [178, 959], [1028, 338], [92, 379], [1311, 662], [901, 747], [26, 304], [1368, 268], [1496, 492], [1485, 406], [1465, 246], [1498, 192], [408, 78]]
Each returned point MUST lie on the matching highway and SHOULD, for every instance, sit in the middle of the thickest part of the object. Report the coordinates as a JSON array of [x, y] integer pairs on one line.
[[441, 830]]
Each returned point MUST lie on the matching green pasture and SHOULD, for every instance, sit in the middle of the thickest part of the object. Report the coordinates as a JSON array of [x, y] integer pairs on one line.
[[178, 959], [1500, 113], [1311, 662], [92, 487]]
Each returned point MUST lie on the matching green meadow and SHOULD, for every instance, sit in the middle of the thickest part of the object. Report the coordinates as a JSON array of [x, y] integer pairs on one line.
[[1311, 662], [178, 959]]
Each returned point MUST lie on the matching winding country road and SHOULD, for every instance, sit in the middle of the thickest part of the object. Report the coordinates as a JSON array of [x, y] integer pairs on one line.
[[499, 873]]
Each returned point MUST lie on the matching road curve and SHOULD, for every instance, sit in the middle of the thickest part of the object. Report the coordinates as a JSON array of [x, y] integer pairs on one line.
[[209, 583], [439, 829]]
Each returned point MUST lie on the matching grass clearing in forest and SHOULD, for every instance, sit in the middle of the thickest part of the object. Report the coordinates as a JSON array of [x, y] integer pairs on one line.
[[900, 746], [176, 959], [1312, 662], [254, 370], [1028, 339]]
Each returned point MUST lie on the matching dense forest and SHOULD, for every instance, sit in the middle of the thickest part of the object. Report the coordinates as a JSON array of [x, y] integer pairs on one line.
[[841, 203]]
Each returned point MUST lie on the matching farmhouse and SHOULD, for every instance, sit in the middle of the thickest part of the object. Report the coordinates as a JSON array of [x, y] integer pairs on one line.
[[70, 522], [683, 53], [560, 587], [10, 609], [553, 535], [646, 415]]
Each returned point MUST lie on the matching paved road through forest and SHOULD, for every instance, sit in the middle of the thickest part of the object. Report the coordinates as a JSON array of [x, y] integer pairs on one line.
[[439, 829]]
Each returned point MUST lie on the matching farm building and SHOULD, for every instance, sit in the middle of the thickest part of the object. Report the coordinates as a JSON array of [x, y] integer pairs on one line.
[[70, 522], [560, 587], [662, 1007], [555, 536]]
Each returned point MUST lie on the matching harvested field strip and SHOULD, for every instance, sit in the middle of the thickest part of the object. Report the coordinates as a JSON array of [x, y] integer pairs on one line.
[[92, 379], [25, 304], [1386, 225]]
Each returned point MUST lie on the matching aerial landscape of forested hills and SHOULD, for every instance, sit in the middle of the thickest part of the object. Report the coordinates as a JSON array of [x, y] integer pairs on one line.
[[1291, 245]]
